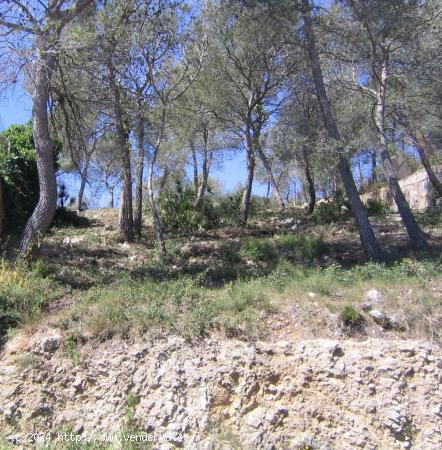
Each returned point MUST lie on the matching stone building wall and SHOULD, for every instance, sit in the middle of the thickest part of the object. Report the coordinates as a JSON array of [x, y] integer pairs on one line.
[[417, 189]]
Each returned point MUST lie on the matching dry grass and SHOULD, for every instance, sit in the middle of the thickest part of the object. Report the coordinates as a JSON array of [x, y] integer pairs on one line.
[[249, 284]]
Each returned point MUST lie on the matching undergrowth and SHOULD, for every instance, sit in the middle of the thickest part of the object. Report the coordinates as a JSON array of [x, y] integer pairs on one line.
[[24, 292], [182, 306]]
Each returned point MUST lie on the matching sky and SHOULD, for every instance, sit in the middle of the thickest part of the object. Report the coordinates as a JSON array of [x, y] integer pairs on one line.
[[16, 106]]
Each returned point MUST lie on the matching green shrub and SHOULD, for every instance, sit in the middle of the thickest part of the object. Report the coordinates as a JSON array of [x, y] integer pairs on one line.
[[332, 211], [23, 294], [259, 205], [228, 207], [258, 250], [326, 213], [69, 218], [375, 207], [299, 246], [178, 213], [350, 317], [432, 217], [18, 172]]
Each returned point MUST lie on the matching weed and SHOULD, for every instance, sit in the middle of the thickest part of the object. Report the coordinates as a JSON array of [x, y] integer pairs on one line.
[[23, 294], [376, 207], [224, 436], [65, 217], [298, 247], [256, 250], [71, 344], [432, 217], [350, 317], [26, 360]]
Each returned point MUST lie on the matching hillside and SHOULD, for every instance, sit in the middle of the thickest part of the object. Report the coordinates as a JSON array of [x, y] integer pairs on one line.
[[277, 336]]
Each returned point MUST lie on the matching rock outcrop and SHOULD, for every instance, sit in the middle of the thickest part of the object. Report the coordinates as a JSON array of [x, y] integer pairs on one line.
[[324, 394]]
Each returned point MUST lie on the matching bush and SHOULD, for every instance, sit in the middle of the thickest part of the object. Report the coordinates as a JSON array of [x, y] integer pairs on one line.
[[18, 172], [333, 211], [432, 217], [229, 208], [299, 247], [375, 207], [258, 250], [350, 317], [68, 218], [23, 294], [178, 213], [259, 206]]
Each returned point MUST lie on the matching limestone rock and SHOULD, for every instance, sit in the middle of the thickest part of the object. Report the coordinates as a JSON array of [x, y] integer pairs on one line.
[[378, 316], [322, 393], [51, 343], [372, 298]]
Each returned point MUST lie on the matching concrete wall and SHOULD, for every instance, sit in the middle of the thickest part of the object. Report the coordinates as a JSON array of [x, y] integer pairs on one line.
[[416, 187]]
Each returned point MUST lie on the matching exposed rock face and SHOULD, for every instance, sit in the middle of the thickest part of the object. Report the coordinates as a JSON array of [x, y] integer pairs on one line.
[[51, 343], [286, 395]]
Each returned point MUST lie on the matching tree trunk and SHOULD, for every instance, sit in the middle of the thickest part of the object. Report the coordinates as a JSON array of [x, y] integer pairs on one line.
[[421, 146], [361, 175], [416, 235], [368, 238], [138, 213], [268, 169], [126, 215], [111, 196], [2, 210], [125, 226], [156, 220], [207, 161], [245, 205], [205, 177], [374, 175], [195, 167], [83, 176], [163, 179], [42, 216], [153, 208], [310, 183], [269, 185]]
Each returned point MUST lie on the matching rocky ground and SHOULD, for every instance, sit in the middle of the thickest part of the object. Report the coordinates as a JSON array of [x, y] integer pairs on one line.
[[309, 385], [310, 394]]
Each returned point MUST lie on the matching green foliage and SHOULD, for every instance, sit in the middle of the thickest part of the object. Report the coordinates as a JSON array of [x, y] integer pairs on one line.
[[179, 306], [186, 303], [18, 171], [298, 247], [432, 217], [333, 211], [69, 218], [229, 208], [259, 205], [376, 207], [256, 249], [178, 213], [351, 317], [23, 294], [289, 246]]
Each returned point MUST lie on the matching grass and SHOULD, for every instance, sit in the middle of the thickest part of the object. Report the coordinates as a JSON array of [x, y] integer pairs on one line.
[[351, 317], [204, 286], [182, 306], [24, 292], [432, 218], [175, 306], [405, 285]]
